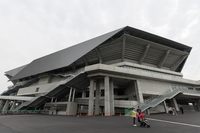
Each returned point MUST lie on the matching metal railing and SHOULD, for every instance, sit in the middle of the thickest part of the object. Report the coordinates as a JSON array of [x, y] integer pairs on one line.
[[156, 100], [153, 102]]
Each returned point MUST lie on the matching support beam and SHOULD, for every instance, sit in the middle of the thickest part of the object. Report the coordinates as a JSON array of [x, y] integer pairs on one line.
[[1, 104], [165, 106], [175, 104], [138, 91], [181, 59], [107, 111], [163, 60], [52, 98], [70, 93], [123, 47], [91, 98], [97, 98], [198, 105], [99, 55], [5, 107], [112, 106], [13, 105], [73, 96], [83, 96], [145, 54]]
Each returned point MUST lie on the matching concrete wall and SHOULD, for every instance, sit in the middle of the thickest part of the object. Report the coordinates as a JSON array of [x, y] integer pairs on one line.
[[154, 87], [56, 79], [43, 80], [32, 90]]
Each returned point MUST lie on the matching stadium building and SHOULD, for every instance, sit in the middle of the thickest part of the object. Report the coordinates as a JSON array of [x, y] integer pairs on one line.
[[105, 75]]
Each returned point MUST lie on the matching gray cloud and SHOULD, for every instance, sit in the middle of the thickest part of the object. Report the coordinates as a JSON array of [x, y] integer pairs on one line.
[[34, 28]]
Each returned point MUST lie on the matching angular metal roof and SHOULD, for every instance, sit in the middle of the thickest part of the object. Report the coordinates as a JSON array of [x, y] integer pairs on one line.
[[13, 72], [66, 57], [63, 57]]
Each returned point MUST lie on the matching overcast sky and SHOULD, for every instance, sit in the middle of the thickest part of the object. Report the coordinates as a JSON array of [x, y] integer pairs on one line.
[[33, 28]]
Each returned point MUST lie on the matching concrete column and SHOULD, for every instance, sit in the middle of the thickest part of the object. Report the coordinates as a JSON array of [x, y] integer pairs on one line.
[[73, 96], [13, 105], [131, 91], [165, 106], [148, 112], [97, 98], [55, 100], [112, 106], [1, 104], [91, 98], [139, 94], [175, 104], [70, 93], [83, 96], [107, 98], [52, 100], [198, 105], [5, 107]]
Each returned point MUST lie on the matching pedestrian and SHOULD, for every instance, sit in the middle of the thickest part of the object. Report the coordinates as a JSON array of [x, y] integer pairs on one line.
[[181, 109], [174, 111], [138, 109], [142, 120], [134, 116]]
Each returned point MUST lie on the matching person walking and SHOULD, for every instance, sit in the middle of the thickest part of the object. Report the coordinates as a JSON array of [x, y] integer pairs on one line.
[[181, 109], [143, 122], [134, 116]]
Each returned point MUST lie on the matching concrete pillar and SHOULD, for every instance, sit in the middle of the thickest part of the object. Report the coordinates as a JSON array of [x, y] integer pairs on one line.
[[70, 93], [165, 106], [148, 112], [13, 105], [55, 100], [52, 100], [175, 104], [97, 98], [91, 98], [198, 105], [73, 96], [5, 107], [131, 91], [83, 96], [139, 94], [107, 110], [112, 106], [1, 104]]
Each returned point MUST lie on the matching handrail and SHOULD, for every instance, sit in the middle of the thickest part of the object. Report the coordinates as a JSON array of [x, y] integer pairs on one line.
[[160, 98]]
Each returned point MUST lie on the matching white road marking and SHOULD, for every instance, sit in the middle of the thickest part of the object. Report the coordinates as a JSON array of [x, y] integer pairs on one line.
[[172, 122]]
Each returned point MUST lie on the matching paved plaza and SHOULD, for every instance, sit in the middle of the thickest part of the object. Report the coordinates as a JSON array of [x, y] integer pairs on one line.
[[162, 123]]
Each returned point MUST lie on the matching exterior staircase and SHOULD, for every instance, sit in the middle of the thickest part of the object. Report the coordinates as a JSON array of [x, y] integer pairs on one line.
[[41, 99], [154, 101]]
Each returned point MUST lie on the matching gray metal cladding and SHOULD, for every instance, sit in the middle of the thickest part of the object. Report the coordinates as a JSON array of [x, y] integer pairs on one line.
[[63, 57]]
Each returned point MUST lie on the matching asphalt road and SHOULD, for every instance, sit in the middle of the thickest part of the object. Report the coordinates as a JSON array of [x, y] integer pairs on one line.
[[187, 123]]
